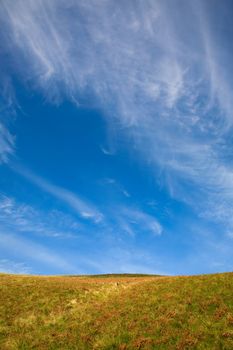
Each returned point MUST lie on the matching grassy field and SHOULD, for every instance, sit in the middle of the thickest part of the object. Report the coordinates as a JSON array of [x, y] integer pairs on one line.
[[116, 312]]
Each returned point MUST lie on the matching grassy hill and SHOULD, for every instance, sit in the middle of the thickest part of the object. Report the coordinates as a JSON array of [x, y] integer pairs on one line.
[[116, 312]]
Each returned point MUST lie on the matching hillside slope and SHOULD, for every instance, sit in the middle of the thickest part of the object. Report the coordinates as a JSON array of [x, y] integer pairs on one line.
[[116, 312]]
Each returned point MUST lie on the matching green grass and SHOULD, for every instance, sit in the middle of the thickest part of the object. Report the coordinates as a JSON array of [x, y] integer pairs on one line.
[[116, 312]]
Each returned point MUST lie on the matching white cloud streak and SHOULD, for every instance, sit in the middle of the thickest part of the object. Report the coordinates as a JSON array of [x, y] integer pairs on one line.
[[9, 266], [23, 218], [34, 251], [6, 144], [133, 221], [81, 207], [115, 184]]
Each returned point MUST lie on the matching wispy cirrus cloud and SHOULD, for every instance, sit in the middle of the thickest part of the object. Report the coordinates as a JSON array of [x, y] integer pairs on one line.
[[24, 218], [106, 151], [6, 144], [161, 77], [99, 51], [9, 266], [134, 221], [8, 107], [82, 207], [115, 184], [25, 248]]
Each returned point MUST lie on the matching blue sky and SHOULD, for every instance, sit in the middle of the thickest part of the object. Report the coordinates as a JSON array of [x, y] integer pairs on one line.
[[116, 136]]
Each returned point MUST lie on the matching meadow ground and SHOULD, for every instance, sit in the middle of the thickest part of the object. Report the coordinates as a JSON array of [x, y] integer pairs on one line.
[[116, 312]]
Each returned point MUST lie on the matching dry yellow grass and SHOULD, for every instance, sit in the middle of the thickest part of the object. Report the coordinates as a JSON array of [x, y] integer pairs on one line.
[[116, 312]]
